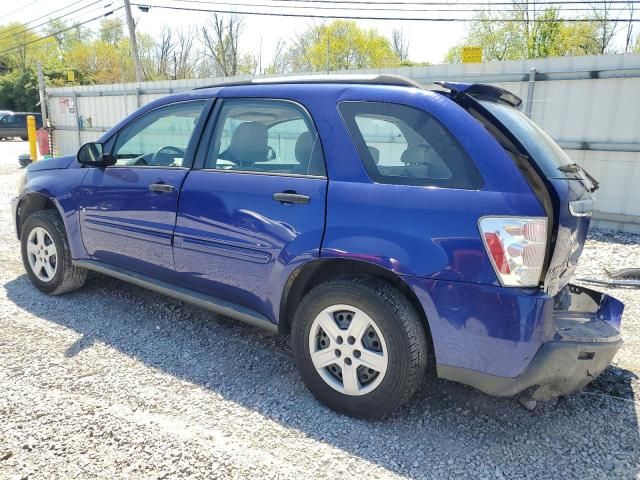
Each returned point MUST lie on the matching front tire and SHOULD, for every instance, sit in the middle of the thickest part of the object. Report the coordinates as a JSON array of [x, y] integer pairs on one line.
[[46, 255], [360, 346]]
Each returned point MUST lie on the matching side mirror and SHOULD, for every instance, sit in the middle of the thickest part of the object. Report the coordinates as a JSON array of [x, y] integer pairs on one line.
[[92, 154]]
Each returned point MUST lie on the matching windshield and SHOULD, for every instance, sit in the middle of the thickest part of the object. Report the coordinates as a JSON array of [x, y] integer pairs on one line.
[[545, 152]]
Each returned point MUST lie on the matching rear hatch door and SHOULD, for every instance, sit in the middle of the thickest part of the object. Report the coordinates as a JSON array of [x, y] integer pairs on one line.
[[574, 214], [569, 186], [567, 189]]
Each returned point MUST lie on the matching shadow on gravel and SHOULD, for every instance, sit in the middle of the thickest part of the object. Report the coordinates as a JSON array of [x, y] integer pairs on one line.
[[446, 430]]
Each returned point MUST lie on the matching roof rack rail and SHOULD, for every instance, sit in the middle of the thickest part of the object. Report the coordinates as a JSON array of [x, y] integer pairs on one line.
[[374, 79]]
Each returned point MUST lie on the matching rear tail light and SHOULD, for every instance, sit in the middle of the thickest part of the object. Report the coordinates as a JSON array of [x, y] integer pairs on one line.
[[516, 247]]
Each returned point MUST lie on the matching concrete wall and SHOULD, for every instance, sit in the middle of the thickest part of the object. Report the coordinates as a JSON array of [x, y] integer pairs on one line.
[[589, 105]]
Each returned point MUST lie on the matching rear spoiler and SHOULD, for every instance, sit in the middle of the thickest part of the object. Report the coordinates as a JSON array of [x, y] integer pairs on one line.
[[481, 90]]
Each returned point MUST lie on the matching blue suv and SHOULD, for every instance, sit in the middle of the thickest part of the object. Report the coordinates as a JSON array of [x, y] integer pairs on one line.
[[391, 229]]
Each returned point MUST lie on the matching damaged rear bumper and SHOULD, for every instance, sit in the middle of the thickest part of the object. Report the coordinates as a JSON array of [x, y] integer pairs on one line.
[[584, 340]]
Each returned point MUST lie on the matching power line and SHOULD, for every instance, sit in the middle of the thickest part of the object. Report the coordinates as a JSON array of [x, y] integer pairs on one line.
[[445, 3], [60, 31], [363, 17], [378, 8], [18, 9], [51, 20], [43, 16]]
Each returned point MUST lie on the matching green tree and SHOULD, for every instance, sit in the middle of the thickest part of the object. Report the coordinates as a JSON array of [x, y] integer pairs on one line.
[[499, 40], [19, 91], [18, 50], [111, 31], [544, 35], [21, 48], [101, 62], [63, 38], [577, 39], [454, 54], [66, 35], [523, 37], [341, 45]]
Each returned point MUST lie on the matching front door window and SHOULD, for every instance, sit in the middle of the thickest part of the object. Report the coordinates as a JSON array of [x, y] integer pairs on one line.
[[160, 138]]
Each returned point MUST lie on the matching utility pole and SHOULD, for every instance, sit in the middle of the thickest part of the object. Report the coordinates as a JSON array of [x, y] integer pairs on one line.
[[260, 58], [134, 42], [43, 96]]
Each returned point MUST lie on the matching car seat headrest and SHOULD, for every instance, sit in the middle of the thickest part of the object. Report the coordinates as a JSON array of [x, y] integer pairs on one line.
[[249, 143], [303, 149], [418, 155], [375, 154]]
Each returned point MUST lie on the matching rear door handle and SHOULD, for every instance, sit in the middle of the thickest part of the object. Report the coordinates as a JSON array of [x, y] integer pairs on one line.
[[289, 197], [161, 188]]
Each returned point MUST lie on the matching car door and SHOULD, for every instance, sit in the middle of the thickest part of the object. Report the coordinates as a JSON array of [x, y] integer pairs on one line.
[[8, 128], [21, 126], [128, 210], [254, 206]]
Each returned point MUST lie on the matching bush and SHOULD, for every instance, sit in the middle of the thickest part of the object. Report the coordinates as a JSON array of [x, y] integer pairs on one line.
[[19, 91]]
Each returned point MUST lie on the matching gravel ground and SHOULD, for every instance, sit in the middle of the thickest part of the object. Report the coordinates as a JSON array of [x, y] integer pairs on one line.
[[114, 381]]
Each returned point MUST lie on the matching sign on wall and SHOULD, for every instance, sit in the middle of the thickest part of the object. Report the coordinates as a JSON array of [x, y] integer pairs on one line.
[[471, 54]]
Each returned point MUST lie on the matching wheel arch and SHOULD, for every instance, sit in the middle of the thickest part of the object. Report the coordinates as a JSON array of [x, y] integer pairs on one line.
[[315, 272], [34, 202]]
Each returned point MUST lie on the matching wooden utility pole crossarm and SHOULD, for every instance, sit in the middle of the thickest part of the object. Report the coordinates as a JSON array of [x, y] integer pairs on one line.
[[134, 42]]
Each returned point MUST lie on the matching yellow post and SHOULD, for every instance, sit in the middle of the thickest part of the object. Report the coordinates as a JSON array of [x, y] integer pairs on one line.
[[31, 132]]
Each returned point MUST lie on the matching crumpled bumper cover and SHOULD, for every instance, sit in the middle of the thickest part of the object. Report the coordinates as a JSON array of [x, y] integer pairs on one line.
[[585, 341]]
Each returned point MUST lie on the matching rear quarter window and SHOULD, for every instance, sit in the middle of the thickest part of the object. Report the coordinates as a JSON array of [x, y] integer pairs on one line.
[[399, 144]]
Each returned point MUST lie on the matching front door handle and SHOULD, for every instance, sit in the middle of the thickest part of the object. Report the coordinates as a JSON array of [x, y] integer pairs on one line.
[[290, 197], [161, 188]]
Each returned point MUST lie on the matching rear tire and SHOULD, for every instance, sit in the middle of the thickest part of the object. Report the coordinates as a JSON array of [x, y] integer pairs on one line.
[[46, 255], [378, 368]]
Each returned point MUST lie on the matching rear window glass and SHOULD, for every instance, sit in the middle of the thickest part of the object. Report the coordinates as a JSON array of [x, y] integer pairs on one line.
[[404, 145], [546, 153]]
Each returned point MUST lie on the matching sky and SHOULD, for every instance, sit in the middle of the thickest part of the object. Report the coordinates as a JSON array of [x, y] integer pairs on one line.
[[428, 41]]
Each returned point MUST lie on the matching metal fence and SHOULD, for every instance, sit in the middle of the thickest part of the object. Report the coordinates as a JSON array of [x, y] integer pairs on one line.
[[589, 105]]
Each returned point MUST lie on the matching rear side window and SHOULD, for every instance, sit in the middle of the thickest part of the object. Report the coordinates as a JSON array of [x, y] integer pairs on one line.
[[404, 145]]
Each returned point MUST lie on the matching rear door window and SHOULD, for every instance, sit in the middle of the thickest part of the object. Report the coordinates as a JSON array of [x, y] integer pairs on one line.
[[265, 136], [404, 145]]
